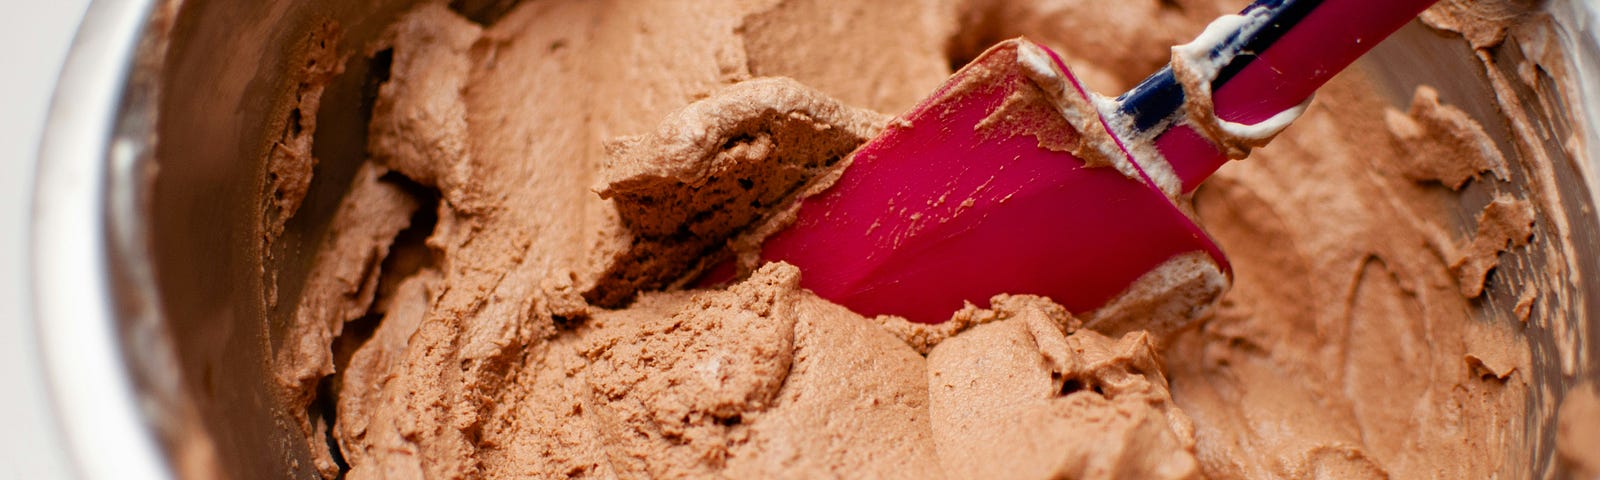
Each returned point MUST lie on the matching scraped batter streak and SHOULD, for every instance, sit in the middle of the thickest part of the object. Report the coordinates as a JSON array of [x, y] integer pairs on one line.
[[588, 154]]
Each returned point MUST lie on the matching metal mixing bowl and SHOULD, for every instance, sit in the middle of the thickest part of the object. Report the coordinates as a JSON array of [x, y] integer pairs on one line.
[[148, 267]]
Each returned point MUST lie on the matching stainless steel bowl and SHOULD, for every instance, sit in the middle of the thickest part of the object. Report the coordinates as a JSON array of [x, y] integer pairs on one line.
[[146, 263], [148, 267]]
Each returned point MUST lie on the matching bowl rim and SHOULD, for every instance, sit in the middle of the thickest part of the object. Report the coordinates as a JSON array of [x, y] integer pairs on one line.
[[106, 425]]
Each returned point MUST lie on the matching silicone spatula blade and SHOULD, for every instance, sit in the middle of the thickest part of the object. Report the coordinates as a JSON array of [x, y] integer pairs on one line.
[[937, 210]]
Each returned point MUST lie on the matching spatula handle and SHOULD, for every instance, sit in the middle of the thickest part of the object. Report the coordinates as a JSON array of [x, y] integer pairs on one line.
[[1276, 65], [1327, 40]]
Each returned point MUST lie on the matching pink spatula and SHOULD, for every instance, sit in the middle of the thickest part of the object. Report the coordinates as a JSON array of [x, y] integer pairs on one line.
[[983, 188]]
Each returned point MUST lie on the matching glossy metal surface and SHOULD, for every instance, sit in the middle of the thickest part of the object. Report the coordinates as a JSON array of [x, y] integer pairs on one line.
[[147, 264], [97, 406]]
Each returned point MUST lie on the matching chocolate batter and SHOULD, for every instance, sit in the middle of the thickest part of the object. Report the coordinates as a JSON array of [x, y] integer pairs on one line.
[[573, 164]]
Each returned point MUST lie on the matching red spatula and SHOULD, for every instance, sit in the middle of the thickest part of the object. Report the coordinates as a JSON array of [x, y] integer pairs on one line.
[[984, 188]]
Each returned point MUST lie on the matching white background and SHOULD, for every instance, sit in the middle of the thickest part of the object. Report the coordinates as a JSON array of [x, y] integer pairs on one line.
[[34, 39]]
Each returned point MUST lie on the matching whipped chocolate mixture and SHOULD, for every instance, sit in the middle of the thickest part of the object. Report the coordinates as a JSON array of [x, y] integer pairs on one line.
[[503, 293], [1577, 441]]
